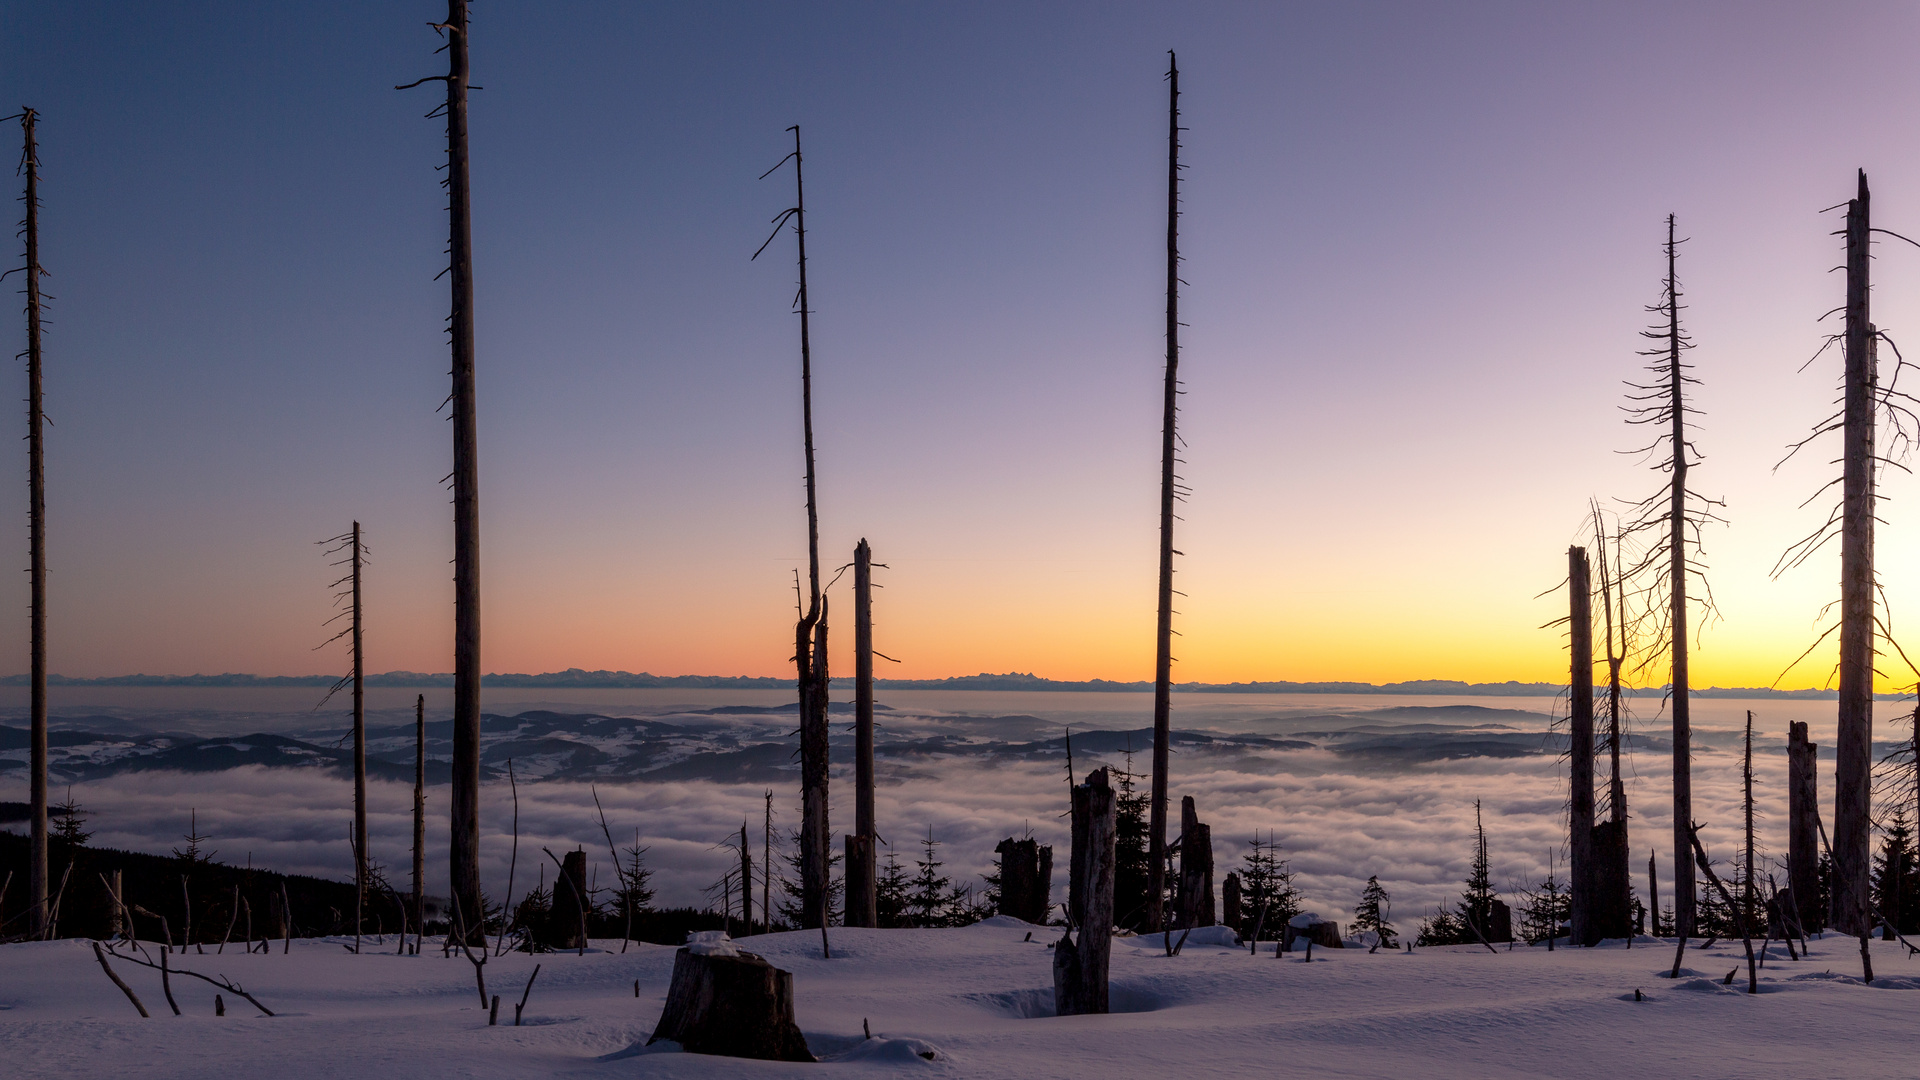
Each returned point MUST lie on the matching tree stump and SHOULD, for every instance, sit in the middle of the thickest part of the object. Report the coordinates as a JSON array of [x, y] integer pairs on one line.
[[1803, 825], [732, 1004], [1080, 966], [1026, 879], [1196, 868], [1230, 901], [565, 930], [1610, 914]]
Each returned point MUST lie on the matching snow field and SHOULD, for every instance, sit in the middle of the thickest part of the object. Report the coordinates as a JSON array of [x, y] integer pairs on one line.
[[980, 999]]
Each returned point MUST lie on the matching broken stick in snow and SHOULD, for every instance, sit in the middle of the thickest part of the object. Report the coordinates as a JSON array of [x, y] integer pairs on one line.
[[101, 954]]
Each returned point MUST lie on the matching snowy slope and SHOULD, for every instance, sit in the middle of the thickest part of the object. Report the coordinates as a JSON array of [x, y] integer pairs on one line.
[[979, 997]]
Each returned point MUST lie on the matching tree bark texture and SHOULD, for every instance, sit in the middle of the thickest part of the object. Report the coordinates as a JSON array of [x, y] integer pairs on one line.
[[1803, 826], [1081, 956], [1683, 888], [1163, 639], [36, 545], [464, 796], [1580, 744], [860, 868], [1853, 744], [733, 1006], [1196, 868]]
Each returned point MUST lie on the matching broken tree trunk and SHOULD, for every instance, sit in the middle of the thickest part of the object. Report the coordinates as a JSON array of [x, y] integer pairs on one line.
[[1196, 867], [37, 545], [1803, 826], [746, 880], [359, 756], [730, 1003], [567, 929], [1230, 902], [1611, 913], [420, 815], [1080, 965], [1580, 736], [1853, 744], [862, 896]]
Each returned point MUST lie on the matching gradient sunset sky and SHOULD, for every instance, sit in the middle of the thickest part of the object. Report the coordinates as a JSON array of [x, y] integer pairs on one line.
[[1420, 240]]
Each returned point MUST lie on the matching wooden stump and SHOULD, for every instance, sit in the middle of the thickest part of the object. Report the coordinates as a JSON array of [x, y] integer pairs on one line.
[[1080, 965], [732, 1006], [1803, 825], [1230, 902], [862, 889], [565, 930], [1611, 912], [1196, 868], [1026, 879]]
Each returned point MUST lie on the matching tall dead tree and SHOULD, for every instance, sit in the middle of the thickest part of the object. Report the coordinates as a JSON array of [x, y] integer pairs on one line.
[[862, 897], [1612, 911], [1750, 894], [810, 632], [1853, 742], [1673, 518], [1580, 742], [36, 539], [350, 544], [1170, 490], [746, 879], [463, 853], [420, 814]]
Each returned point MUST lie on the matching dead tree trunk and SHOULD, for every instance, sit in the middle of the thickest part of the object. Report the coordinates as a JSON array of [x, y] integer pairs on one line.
[[1196, 867], [1080, 966], [732, 1004], [359, 755], [1169, 491], [1803, 826], [463, 853], [860, 869], [36, 542], [420, 815], [1853, 745], [810, 633], [1230, 901], [1750, 894], [1580, 742], [1653, 895]]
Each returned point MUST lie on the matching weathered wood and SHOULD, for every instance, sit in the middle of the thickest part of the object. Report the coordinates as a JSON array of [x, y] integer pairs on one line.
[[1803, 826], [1653, 895], [1196, 868], [360, 863], [116, 909], [420, 817], [1853, 742], [36, 546], [1023, 889], [1169, 485], [1080, 957], [1679, 678], [732, 1006], [861, 880], [567, 926], [1580, 746], [1611, 914], [101, 955], [1230, 901], [746, 880]]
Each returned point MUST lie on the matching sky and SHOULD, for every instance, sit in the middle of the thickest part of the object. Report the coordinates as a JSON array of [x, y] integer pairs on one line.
[[1419, 242]]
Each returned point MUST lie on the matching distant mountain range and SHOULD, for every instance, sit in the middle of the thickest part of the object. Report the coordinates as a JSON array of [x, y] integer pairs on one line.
[[576, 678]]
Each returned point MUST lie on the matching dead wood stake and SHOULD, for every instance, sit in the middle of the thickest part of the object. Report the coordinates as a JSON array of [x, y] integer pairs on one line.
[[523, 994], [101, 955]]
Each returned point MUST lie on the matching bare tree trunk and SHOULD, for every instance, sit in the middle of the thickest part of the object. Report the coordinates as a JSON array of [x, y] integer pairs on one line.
[[766, 866], [1580, 738], [1653, 896], [1746, 769], [860, 868], [1196, 868], [36, 542], [1683, 890], [1169, 481], [1803, 825], [359, 755], [1853, 749], [420, 815], [463, 861]]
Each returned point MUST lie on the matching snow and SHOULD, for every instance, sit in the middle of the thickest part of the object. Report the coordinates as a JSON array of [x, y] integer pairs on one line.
[[978, 1000], [711, 943]]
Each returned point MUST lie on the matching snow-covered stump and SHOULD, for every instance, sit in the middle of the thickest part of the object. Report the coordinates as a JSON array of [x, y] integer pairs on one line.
[[1080, 966], [730, 1003]]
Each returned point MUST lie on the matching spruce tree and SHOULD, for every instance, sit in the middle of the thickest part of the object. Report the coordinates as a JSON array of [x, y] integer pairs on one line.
[[1131, 874], [1476, 904], [1373, 911], [890, 893], [1896, 888], [1266, 883], [928, 901]]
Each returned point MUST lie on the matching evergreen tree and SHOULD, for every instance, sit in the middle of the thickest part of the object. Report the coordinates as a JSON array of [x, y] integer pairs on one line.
[[890, 893], [1266, 881], [1547, 910], [928, 901], [792, 897], [635, 894], [1443, 928], [1476, 904], [1131, 873], [69, 831], [1896, 880], [1373, 911], [192, 855]]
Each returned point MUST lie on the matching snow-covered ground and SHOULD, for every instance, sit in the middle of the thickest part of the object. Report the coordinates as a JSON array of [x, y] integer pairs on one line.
[[980, 999]]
